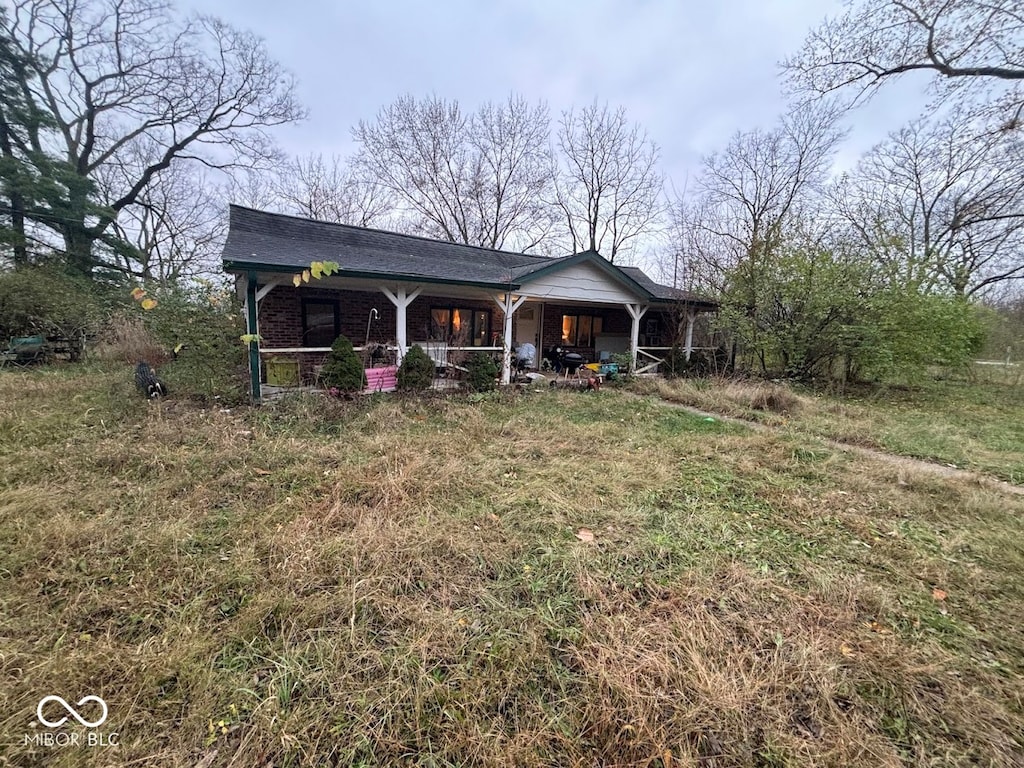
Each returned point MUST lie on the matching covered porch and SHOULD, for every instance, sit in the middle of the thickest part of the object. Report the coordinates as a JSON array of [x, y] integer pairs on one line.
[[384, 319]]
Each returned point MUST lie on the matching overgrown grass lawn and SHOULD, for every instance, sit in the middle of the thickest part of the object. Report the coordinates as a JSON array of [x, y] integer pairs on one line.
[[975, 423], [549, 579]]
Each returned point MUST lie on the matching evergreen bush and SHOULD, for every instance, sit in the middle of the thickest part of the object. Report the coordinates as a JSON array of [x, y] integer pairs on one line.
[[343, 369], [481, 373], [203, 322], [416, 373], [675, 363]]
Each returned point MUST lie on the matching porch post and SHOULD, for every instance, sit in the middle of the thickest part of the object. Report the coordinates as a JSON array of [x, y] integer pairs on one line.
[[252, 327], [636, 311], [688, 349], [508, 307], [401, 299]]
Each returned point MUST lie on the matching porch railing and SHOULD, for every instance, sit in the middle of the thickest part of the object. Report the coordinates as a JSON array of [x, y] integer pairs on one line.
[[647, 360], [389, 347]]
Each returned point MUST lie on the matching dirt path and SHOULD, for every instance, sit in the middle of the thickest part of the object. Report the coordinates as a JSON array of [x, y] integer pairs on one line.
[[892, 459]]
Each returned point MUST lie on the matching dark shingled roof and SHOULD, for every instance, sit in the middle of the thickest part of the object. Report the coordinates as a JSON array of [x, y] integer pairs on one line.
[[275, 240], [665, 292], [265, 241]]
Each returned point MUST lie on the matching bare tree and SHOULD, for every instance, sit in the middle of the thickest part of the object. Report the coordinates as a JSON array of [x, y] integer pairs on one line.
[[255, 189], [608, 186], [963, 42], [121, 76], [941, 204], [698, 258], [175, 227], [324, 189], [753, 199], [479, 179], [749, 191]]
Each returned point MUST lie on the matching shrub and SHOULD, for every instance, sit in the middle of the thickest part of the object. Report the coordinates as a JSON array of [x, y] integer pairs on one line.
[[481, 373], [416, 372], [343, 369], [625, 362], [675, 363], [204, 321], [45, 301], [702, 362]]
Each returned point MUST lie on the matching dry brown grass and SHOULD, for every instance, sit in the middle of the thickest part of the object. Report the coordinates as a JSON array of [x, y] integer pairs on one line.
[[398, 582], [753, 673], [731, 397], [127, 340]]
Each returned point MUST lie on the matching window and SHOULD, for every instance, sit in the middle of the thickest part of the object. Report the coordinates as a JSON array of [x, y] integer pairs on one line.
[[580, 330], [460, 326], [321, 322], [652, 333]]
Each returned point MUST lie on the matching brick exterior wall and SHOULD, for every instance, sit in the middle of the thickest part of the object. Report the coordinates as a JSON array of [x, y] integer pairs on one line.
[[280, 319]]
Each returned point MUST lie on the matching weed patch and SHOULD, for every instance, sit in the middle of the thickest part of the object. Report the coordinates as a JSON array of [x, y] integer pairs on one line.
[[406, 581]]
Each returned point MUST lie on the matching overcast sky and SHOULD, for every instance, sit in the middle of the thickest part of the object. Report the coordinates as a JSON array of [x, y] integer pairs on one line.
[[692, 72]]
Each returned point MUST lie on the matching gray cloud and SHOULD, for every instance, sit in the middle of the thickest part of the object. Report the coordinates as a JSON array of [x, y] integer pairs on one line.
[[691, 72]]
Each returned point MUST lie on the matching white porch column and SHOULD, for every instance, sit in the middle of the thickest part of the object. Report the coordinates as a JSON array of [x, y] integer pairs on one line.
[[508, 305], [688, 349], [401, 299], [636, 311]]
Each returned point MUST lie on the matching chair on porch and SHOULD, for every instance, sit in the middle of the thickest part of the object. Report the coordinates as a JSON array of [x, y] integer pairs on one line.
[[438, 352]]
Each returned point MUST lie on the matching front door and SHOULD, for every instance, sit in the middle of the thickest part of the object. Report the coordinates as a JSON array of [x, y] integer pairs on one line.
[[527, 327]]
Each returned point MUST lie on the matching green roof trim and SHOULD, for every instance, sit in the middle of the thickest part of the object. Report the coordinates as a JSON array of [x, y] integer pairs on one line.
[[241, 267]]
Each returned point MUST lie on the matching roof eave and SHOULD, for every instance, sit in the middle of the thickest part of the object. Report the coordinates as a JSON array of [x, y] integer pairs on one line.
[[239, 267], [679, 301]]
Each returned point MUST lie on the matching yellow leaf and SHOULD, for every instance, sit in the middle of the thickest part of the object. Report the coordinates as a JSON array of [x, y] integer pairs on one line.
[[148, 303], [305, 275], [846, 650], [316, 268], [297, 280], [137, 294]]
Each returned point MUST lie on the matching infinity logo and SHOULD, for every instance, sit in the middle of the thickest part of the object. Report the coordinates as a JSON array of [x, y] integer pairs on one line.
[[71, 711]]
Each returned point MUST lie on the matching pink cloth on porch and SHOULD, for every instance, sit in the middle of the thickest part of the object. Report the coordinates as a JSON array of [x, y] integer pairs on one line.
[[381, 379]]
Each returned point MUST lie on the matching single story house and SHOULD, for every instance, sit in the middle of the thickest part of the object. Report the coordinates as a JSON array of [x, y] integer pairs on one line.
[[398, 290]]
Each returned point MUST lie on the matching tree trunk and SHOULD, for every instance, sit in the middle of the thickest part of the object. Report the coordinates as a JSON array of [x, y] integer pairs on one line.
[[18, 227], [78, 241], [17, 201], [78, 249]]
